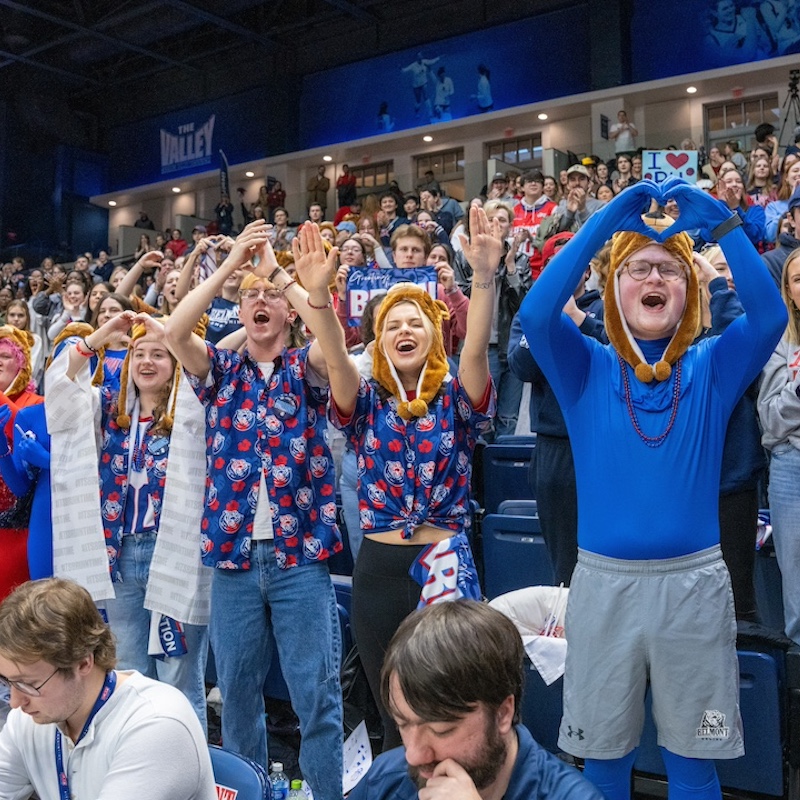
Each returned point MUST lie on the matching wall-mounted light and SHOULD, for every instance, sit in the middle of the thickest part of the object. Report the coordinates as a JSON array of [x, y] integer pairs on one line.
[[249, 174], [691, 89], [112, 203], [176, 189], [327, 159], [542, 116], [427, 138]]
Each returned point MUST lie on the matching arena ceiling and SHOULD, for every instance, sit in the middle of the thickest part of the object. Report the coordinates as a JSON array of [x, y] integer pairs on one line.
[[95, 52]]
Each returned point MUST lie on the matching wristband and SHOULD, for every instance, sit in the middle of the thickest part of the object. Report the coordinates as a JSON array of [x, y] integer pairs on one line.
[[287, 285], [734, 221], [320, 308], [88, 352], [273, 274]]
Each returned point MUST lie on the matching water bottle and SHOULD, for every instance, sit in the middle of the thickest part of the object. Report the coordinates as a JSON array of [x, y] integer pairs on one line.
[[297, 792], [279, 781]]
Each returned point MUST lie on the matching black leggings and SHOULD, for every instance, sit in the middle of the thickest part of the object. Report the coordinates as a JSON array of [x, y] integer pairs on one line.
[[738, 522], [384, 594]]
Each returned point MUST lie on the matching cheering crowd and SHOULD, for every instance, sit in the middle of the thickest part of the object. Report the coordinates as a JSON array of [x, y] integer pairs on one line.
[[221, 392]]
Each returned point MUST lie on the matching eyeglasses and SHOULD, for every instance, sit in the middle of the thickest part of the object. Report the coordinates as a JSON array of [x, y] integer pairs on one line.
[[270, 295], [668, 270], [26, 688]]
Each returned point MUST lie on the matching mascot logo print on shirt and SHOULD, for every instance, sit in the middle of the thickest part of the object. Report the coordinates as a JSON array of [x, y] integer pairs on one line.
[[304, 498], [328, 513], [319, 466], [712, 726]]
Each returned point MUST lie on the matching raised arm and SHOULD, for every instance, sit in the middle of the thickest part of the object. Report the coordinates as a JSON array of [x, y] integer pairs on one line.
[[555, 342], [328, 354], [147, 263], [744, 347], [483, 252], [111, 331], [187, 346]]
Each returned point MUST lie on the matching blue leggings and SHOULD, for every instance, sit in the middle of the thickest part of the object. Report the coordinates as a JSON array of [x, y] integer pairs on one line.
[[688, 778]]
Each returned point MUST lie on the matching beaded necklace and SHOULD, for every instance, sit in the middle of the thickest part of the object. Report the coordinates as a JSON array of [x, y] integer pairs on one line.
[[652, 441]]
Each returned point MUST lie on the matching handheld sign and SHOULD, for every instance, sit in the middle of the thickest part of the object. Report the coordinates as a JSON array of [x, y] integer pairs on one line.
[[364, 283], [658, 165]]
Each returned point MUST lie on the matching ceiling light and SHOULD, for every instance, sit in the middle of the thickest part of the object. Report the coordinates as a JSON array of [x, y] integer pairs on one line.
[[427, 138], [691, 89], [176, 189], [112, 202], [249, 174], [327, 158], [543, 117]]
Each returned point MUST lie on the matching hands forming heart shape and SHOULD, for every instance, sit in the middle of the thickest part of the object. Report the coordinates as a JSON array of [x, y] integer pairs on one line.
[[697, 208]]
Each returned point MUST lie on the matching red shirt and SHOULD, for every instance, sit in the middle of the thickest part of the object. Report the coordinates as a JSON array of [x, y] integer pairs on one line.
[[529, 218]]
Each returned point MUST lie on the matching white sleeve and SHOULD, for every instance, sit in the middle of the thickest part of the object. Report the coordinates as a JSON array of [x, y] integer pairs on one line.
[[160, 760], [15, 783]]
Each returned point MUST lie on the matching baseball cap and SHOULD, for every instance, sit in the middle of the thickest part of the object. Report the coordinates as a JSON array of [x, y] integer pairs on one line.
[[580, 169], [499, 176], [554, 244], [200, 229]]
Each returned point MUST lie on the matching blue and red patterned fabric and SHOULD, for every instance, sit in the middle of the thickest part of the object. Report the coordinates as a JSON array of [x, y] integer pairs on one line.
[[416, 472], [278, 426]]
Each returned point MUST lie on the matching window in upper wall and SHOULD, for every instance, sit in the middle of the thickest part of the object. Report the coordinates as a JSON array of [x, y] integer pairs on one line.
[[524, 151], [447, 167], [736, 120], [373, 178]]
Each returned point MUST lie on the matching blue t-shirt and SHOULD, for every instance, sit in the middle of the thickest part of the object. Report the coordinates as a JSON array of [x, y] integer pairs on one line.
[[537, 775]]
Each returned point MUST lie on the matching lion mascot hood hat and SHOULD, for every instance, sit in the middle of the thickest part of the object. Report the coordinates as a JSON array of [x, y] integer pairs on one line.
[[21, 343], [623, 246], [436, 366]]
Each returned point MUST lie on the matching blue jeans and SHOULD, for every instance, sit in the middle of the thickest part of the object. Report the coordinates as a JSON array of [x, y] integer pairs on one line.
[[299, 605], [509, 393], [784, 506], [348, 488], [130, 623]]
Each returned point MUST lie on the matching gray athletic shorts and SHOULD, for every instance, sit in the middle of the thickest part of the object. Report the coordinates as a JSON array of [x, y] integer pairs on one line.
[[670, 621]]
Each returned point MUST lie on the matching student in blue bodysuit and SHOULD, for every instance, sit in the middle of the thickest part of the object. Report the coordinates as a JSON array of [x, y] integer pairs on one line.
[[647, 414]]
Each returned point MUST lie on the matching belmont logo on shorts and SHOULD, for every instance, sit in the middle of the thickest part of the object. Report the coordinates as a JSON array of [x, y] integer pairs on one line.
[[712, 726]]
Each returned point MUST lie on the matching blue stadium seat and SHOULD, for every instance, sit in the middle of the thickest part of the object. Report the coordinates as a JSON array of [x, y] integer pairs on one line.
[[519, 508], [505, 473], [542, 707], [514, 554], [761, 701], [237, 777]]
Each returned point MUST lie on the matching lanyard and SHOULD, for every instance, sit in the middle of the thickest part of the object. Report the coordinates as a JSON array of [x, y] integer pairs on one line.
[[105, 693]]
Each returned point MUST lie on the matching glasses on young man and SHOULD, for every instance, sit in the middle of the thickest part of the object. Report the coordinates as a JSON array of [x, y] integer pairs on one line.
[[668, 270], [26, 688], [270, 295]]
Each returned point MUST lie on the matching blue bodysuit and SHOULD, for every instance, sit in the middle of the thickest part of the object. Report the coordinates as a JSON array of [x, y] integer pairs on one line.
[[636, 501], [647, 460]]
